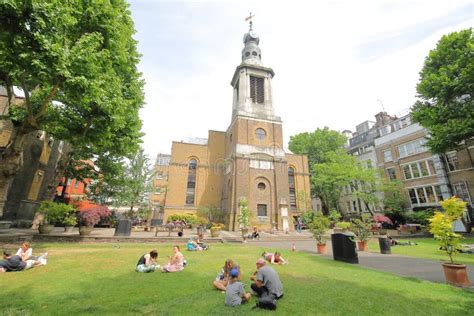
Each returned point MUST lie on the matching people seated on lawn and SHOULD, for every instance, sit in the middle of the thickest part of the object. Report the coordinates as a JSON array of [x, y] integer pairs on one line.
[[274, 258], [235, 293], [15, 263], [176, 262], [223, 277], [26, 253], [192, 245], [202, 244], [394, 242], [147, 262], [266, 281]]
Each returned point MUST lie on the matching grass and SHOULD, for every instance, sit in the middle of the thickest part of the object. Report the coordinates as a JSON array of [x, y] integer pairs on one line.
[[100, 279], [426, 248]]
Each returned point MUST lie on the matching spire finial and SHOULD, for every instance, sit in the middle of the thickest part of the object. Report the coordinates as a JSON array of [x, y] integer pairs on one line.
[[249, 18]]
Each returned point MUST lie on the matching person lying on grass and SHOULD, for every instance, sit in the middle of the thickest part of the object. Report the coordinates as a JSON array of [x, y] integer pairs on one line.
[[176, 262], [147, 262], [26, 253], [235, 293], [394, 242], [223, 277], [274, 258]]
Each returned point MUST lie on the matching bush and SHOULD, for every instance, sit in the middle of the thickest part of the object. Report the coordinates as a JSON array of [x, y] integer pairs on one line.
[[343, 225], [318, 228], [334, 217], [55, 212], [187, 219], [92, 215], [420, 217]]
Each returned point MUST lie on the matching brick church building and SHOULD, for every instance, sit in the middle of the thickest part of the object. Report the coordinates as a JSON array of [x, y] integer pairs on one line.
[[247, 161]]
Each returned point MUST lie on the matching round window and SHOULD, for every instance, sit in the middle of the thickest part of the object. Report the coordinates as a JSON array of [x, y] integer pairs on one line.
[[260, 133], [261, 186], [247, 54], [254, 53]]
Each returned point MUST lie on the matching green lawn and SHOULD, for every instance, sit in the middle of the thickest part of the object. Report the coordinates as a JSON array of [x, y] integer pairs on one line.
[[427, 248], [100, 279]]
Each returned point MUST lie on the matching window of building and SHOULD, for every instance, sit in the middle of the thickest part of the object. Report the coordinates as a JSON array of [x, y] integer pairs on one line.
[[348, 206], [260, 133], [158, 190], [191, 186], [417, 169], [387, 155], [76, 184], [391, 174], [261, 186], [452, 161], [159, 175], [256, 89], [261, 209], [427, 195], [354, 205], [292, 187], [411, 148], [407, 172], [461, 191], [431, 166]]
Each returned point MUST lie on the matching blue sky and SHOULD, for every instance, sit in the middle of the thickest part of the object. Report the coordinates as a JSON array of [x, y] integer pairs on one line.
[[333, 60]]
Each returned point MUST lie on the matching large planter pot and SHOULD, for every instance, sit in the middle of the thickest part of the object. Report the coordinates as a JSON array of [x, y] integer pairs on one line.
[[45, 229], [68, 229], [85, 230], [362, 245], [215, 232], [456, 274], [321, 248]]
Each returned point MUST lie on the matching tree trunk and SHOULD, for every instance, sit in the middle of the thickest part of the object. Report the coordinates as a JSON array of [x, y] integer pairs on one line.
[[469, 155]]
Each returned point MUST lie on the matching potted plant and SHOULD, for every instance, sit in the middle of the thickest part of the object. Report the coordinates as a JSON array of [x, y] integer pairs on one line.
[[342, 226], [244, 217], [69, 221], [441, 226], [334, 217], [318, 228], [362, 227], [91, 216], [52, 213], [215, 229]]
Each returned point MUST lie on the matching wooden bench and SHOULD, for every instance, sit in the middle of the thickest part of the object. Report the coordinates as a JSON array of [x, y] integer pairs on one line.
[[164, 228]]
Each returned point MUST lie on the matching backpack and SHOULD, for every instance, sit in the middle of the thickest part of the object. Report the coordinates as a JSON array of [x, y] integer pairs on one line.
[[267, 301]]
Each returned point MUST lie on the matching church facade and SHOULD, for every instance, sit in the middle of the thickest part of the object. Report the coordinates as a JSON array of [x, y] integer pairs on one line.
[[247, 161]]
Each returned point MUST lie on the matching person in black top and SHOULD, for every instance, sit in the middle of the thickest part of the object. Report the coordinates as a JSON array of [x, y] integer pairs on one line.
[[11, 263], [147, 262]]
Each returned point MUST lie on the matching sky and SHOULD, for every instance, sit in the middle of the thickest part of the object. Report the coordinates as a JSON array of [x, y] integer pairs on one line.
[[336, 63]]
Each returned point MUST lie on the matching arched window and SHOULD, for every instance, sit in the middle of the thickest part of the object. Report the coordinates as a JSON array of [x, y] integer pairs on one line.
[[292, 186], [261, 186], [191, 188]]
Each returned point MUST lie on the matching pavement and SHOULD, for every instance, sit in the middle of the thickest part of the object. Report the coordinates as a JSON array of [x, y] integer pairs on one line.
[[425, 269]]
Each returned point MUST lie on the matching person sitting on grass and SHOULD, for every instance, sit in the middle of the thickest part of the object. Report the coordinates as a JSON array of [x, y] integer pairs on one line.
[[176, 262], [26, 253], [235, 293], [255, 233], [147, 262], [274, 258], [266, 281], [201, 244], [15, 263], [223, 277], [193, 245]]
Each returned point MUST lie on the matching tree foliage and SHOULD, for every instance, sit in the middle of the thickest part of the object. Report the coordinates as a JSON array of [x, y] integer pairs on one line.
[[75, 62], [445, 90]]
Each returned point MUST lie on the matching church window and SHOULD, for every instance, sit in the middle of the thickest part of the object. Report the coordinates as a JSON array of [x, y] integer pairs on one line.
[[260, 133], [256, 89], [254, 53], [247, 54], [291, 184], [191, 187], [261, 186], [261, 209]]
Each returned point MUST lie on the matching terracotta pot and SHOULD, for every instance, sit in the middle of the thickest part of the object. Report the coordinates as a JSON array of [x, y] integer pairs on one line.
[[68, 229], [45, 229], [456, 274], [321, 248], [85, 230], [362, 245]]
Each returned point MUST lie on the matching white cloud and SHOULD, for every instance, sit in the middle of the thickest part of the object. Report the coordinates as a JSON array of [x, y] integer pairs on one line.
[[190, 51]]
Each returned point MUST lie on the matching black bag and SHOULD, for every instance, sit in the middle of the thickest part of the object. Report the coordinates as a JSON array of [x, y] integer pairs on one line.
[[267, 301]]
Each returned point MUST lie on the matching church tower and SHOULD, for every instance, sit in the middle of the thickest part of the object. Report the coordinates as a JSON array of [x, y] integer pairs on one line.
[[256, 166]]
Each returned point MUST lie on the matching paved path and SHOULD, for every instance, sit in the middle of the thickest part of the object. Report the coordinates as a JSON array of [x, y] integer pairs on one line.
[[426, 269]]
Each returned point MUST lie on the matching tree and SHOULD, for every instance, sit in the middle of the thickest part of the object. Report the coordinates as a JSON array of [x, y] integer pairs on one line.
[[445, 90], [75, 62], [136, 183]]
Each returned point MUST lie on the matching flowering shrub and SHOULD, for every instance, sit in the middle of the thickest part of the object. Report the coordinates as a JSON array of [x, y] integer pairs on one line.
[[382, 219], [92, 215]]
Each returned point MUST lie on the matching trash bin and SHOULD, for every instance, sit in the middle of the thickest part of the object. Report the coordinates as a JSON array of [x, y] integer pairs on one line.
[[344, 247], [385, 244], [124, 228]]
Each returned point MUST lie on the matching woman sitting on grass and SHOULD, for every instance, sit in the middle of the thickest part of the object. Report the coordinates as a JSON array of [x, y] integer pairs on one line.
[[274, 258], [147, 262], [223, 277], [176, 262], [25, 252]]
